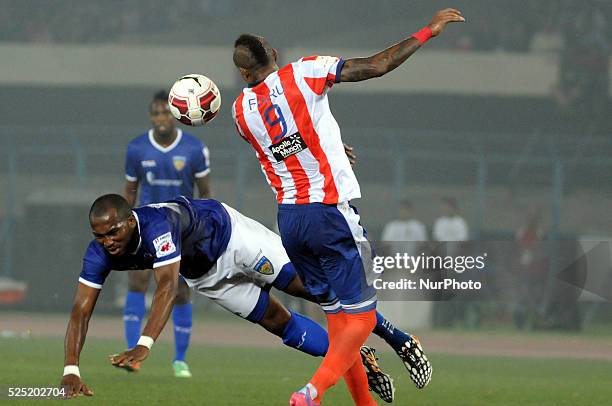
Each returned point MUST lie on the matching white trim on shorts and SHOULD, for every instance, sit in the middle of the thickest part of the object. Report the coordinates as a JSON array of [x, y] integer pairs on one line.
[[233, 283], [365, 252]]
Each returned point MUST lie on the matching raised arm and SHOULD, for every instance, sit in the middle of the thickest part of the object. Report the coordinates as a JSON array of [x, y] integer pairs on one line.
[[166, 277], [358, 69], [82, 308]]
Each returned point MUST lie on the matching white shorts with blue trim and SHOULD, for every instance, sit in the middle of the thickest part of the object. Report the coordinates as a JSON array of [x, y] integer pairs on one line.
[[253, 259]]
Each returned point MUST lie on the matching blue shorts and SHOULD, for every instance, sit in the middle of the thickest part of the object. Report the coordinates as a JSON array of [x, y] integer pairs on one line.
[[331, 253]]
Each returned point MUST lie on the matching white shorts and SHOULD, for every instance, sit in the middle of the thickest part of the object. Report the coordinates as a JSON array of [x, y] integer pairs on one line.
[[253, 259]]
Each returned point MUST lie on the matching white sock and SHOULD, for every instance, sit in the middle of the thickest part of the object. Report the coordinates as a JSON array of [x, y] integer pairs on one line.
[[310, 389]]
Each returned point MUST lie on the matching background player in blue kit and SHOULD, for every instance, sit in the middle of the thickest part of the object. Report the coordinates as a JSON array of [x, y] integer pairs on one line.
[[222, 254], [164, 162]]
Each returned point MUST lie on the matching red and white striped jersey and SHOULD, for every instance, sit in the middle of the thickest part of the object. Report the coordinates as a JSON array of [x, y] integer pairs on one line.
[[287, 120]]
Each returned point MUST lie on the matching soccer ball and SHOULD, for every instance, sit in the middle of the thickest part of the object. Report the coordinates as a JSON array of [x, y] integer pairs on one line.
[[194, 100]]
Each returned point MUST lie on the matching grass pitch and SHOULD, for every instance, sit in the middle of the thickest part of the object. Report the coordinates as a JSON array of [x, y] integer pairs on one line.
[[243, 376]]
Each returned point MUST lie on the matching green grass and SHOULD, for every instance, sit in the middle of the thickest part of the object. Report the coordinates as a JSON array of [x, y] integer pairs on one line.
[[242, 376]]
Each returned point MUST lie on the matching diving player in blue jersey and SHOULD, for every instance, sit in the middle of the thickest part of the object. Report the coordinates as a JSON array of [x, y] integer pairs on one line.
[[220, 253], [164, 163]]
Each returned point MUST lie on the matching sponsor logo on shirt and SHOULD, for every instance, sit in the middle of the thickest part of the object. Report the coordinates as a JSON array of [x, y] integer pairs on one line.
[[164, 245], [148, 164], [162, 182], [288, 146], [179, 162]]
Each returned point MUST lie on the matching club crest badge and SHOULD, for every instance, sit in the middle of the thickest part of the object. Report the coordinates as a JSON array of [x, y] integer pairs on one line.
[[179, 162], [264, 266]]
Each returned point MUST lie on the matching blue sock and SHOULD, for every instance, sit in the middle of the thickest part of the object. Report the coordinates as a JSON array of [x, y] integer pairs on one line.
[[181, 316], [133, 313], [388, 332], [305, 335]]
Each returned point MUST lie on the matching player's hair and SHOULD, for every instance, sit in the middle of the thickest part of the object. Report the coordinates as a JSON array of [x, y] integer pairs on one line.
[[161, 96], [250, 52], [103, 204]]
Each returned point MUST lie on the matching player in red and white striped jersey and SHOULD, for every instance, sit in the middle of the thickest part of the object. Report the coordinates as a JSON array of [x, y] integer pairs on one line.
[[284, 114], [288, 121]]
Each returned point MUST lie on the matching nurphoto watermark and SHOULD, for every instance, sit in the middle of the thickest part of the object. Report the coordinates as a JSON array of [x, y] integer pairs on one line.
[[504, 271]]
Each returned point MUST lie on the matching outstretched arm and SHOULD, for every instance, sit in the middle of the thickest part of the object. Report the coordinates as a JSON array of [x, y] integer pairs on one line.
[[84, 303], [358, 69], [167, 287], [166, 277]]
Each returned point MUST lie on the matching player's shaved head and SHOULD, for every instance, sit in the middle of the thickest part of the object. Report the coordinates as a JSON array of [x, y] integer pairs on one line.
[[103, 205], [113, 224], [252, 52]]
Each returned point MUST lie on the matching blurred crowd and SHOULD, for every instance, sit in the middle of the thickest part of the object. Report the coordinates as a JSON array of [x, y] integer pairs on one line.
[[74, 21], [576, 32], [518, 26], [517, 272], [584, 66]]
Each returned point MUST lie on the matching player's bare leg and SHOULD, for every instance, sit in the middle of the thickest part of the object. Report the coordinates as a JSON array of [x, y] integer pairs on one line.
[[296, 288], [184, 293], [276, 318]]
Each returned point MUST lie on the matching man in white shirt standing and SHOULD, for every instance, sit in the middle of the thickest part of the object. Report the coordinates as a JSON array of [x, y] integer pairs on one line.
[[450, 226], [406, 233], [452, 231]]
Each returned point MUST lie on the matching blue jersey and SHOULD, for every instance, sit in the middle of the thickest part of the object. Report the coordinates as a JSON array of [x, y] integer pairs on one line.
[[165, 172], [195, 232]]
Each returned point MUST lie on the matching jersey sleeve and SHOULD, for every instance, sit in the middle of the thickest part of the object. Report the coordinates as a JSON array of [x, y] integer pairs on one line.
[[95, 267], [237, 105], [164, 240], [131, 163], [321, 72], [201, 161]]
